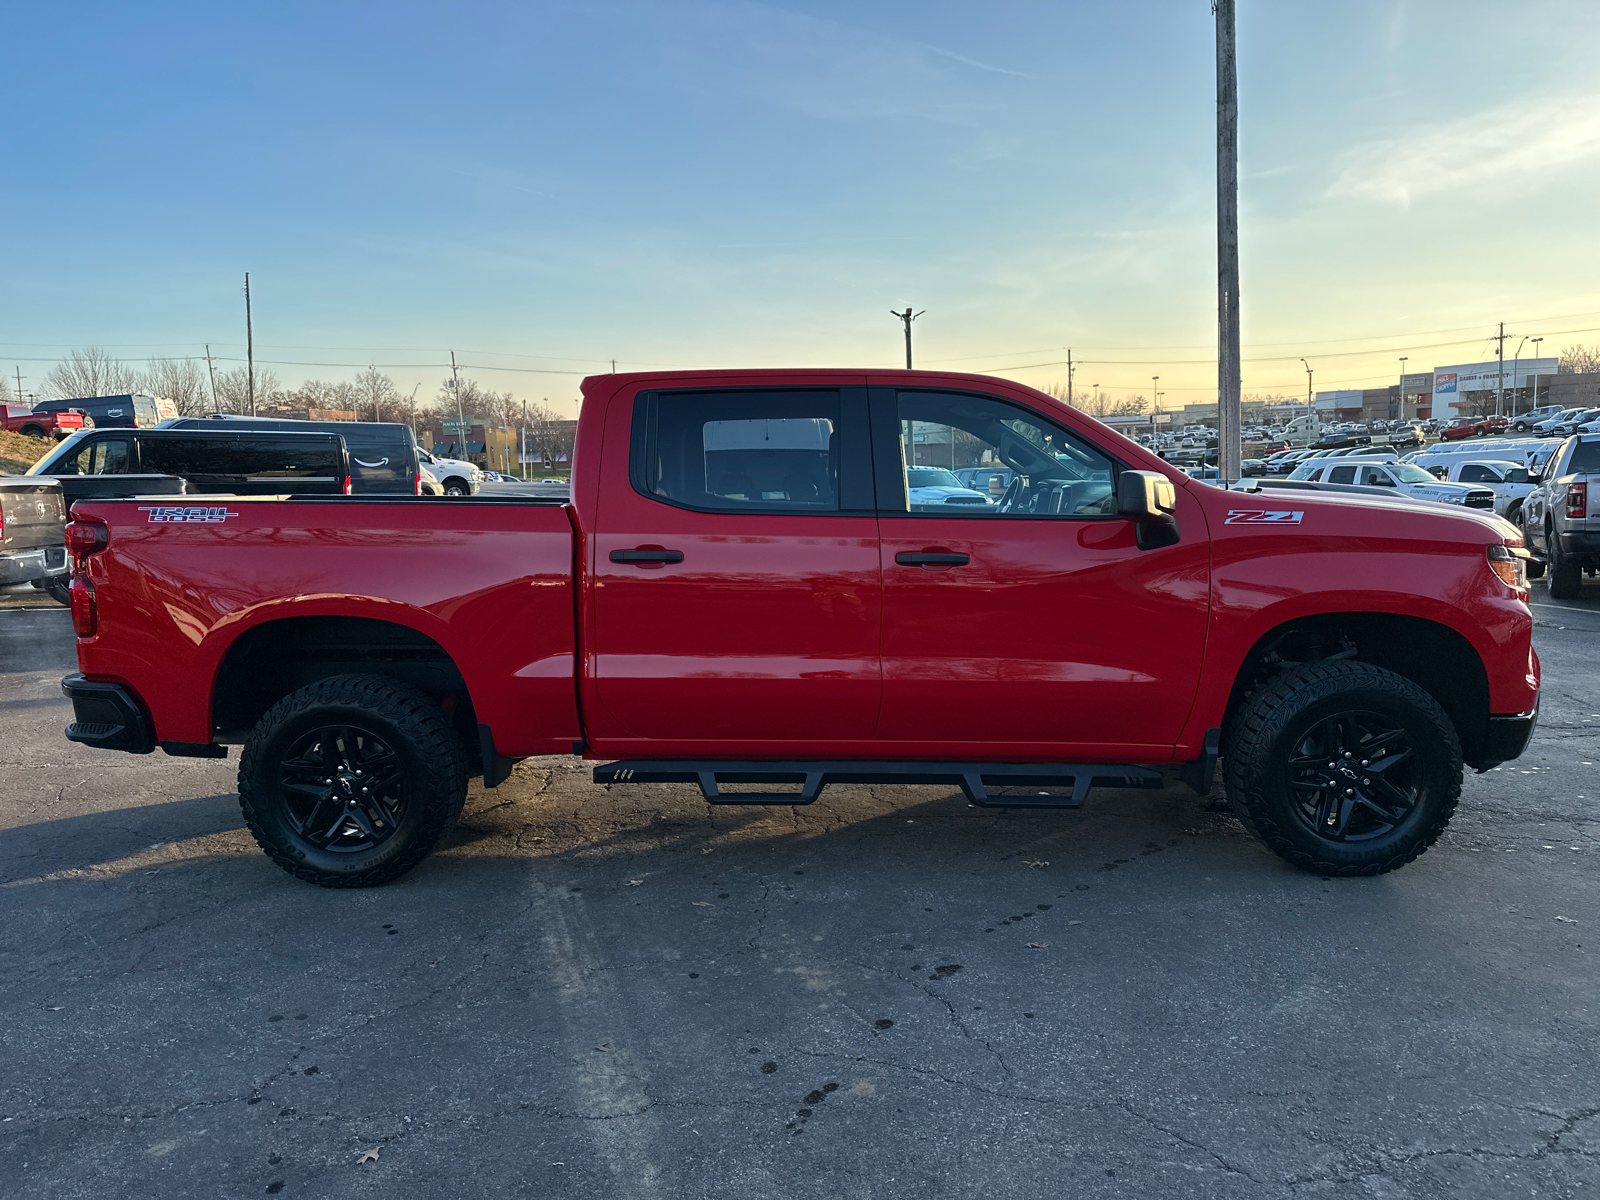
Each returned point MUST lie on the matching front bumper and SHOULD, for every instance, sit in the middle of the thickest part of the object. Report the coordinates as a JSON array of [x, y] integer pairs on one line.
[[106, 715], [24, 566], [1507, 737]]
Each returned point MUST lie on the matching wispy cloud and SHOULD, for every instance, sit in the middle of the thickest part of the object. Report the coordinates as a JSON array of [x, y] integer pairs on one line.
[[1520, 141], [970, 62]]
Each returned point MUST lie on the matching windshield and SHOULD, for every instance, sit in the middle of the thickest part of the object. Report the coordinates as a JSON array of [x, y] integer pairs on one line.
[[1406, 473], [60, 452], [919, 477]]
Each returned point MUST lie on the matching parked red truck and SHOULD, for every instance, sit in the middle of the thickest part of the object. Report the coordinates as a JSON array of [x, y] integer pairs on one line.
[[750, 583], [19, 418]]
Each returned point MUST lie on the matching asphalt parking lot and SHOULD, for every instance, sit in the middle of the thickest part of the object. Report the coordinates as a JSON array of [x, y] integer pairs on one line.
[[622, 993]]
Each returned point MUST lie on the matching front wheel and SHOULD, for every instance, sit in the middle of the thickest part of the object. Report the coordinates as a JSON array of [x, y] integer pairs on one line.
[[351, 781], [453, 488], [1344, 768]]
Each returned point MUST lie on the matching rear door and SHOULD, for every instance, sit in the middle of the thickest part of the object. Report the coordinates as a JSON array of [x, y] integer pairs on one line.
[[1031, 625], [736, 588]]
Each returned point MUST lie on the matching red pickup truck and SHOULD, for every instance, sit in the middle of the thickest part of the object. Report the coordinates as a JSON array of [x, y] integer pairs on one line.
[[19, 418], [776, 577]]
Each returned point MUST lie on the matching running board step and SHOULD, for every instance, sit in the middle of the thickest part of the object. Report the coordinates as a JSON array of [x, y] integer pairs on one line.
[[973, 778]]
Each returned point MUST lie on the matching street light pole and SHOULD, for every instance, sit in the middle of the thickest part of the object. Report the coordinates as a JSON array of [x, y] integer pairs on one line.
[[907, 317], [1533, 396], [1403, 358], [1514, 359], [1310, 404]]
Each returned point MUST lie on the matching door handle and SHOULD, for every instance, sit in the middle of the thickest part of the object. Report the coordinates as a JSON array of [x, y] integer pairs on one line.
[[907, 558], [647, 556]]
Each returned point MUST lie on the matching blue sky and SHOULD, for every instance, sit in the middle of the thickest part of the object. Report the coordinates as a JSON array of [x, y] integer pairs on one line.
[[548, 186]]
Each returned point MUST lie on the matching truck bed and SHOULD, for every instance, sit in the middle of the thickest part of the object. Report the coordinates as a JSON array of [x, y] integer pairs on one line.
[[489, 581]]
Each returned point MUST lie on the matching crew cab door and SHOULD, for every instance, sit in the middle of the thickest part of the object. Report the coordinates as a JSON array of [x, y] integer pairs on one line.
[[1033, 624], [736, 587]]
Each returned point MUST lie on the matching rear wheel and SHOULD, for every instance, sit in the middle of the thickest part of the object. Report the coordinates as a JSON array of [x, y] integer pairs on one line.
[[35, 431], [1566, 579], [1344, 768], [352, 781]]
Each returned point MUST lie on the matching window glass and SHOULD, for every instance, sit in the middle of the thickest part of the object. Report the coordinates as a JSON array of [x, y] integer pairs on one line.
[[746, 451], [102, 456], [237, 459], [1304, 472], [1477, 473], [1406, 473], [1585, 458], [1345, 474], [1376, 477], [954, 446]]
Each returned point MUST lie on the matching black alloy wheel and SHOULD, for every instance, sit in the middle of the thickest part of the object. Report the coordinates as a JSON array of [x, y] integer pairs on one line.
[[342, 787], [1354, 777], [352, 780], [1343, 767]]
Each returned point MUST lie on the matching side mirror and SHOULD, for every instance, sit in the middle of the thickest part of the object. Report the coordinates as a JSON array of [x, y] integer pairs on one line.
[[1148, 499]]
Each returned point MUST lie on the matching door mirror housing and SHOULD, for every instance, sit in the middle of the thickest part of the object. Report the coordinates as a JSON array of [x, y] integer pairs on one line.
[[1148, 499]]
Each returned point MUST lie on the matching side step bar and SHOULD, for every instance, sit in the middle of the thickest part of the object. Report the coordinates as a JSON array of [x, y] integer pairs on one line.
[[973, 778]]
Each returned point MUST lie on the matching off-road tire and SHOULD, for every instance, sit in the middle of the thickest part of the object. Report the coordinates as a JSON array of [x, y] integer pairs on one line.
[[1270, 725], [433, 771], [1566, 577]]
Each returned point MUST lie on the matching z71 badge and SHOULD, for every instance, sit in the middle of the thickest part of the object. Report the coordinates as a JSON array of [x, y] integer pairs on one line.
[[1263, 516], [202, 516]]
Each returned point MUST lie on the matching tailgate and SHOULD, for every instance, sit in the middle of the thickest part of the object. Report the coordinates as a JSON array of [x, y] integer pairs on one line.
[[32, 514]]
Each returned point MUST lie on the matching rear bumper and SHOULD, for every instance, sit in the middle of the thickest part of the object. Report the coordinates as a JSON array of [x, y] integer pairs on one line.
[[1507, 737], [106, 715], [24, 566], [1581, 543]]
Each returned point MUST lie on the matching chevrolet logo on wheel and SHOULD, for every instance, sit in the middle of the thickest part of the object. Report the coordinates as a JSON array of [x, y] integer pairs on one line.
[[163, 515]]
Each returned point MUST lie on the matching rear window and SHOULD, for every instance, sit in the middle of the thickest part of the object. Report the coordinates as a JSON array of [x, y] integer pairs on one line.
[[742, 452], [1585, 458]]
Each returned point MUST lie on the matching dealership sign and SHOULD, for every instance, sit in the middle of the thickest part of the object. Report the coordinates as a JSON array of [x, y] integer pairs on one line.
[[1487, 376]]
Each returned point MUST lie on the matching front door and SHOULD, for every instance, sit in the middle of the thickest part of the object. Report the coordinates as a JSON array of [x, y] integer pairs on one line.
[[1026, 622], [737, 593]]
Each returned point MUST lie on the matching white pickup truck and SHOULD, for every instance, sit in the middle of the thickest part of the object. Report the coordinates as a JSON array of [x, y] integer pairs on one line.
[[457, 476], [1508, 481], [1411, 482]]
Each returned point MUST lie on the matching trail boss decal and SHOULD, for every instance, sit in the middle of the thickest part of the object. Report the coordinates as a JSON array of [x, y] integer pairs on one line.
[[173, 516], [1260, 516]]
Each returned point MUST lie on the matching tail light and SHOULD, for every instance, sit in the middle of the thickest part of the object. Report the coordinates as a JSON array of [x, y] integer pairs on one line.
[[1577, 499], [347, 485], [416, 485], [85, 538], [1510, 565], [84, 617]]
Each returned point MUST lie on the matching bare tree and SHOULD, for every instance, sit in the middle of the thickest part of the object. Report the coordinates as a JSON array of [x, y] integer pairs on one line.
[[89, 372], [377, 399], [317, 394], [1579, 360], [233, 390], [180, 380], [6, 396]]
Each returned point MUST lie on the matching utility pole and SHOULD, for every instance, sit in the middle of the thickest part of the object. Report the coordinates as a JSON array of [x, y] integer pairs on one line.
[[20, 400], [1069, 377], [1229, 423], [1403, 358], [1500, 383], [907, 317], [212, 371], [249, 345]]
